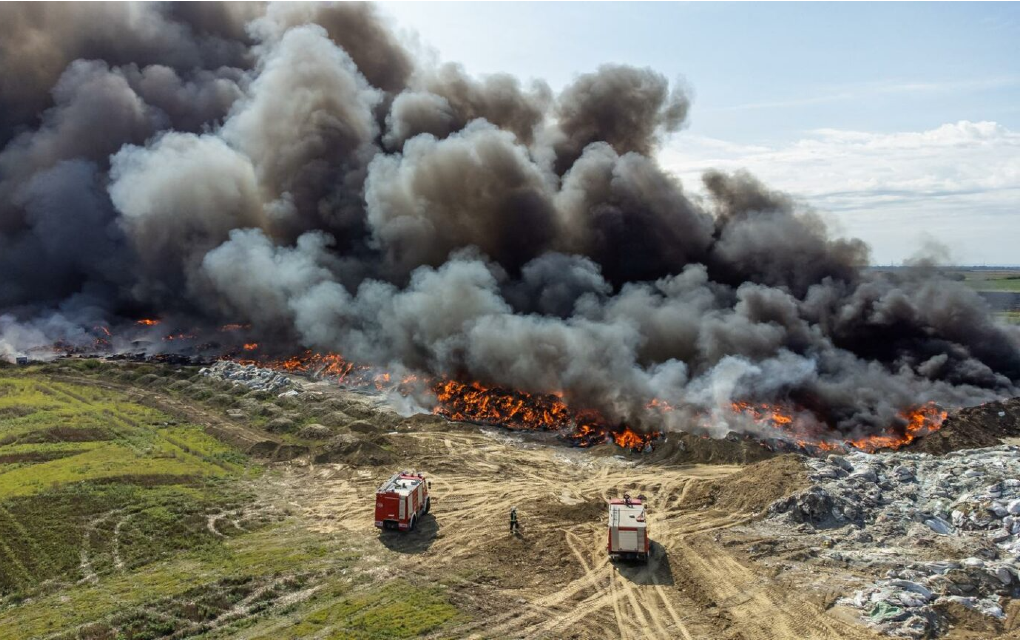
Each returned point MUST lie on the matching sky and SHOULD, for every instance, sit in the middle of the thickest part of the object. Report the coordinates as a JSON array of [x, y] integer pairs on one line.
[[899, 123]]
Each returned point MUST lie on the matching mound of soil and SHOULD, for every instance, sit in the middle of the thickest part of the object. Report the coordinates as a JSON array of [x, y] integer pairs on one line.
[[289, 452], [354, 451], [280, 425], [753, 488], [967, 623], [986, 425], [367, 428], [276, 452], [315, 432], [335, 419], [264, 449], [361, 411], [256, 408], [584, 511], [687, 448]]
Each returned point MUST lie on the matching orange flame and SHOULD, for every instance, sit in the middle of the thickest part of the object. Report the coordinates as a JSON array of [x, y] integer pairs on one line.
[[178, 336], [148, 322], [514, 409], [630, 439], [251, 346], [475, 403], [786, 425], [326, 365], [920, 421]]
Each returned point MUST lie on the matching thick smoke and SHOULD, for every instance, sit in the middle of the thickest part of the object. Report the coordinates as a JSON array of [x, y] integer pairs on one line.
[[626, 107], [39, 40], [295, 169]]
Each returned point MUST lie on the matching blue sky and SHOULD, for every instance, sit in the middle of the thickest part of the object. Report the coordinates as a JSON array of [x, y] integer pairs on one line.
[[900, 122]]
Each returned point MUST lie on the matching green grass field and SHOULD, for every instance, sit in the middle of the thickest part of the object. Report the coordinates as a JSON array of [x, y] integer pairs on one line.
[[992, 280], [81, 463], [118, 522]]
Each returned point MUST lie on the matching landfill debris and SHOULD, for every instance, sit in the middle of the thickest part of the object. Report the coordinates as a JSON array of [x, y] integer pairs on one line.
[[255, 378], [930, 530]]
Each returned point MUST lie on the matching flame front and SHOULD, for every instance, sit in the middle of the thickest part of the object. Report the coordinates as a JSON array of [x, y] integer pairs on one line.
[[514, 409], [810, 434]]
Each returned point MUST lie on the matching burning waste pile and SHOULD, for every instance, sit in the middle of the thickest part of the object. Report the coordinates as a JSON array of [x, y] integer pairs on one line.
[[457, 401], [248, 375], [933, 530]]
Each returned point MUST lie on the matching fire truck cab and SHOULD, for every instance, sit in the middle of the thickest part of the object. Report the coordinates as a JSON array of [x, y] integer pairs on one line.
[[401, 501], [628, 529]]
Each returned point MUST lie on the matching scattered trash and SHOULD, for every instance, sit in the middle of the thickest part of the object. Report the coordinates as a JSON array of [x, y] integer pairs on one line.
[[253, 377], [931, 529]]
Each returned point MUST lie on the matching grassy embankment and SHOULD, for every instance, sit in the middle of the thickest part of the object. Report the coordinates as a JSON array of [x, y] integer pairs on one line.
[[117, 521]]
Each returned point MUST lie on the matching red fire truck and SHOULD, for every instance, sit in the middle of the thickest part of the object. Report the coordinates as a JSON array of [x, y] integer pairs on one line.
[[401, 501], [628, 530]]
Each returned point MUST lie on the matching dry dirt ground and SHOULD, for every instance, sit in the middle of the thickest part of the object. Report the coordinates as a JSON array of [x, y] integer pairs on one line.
[[554, 579]]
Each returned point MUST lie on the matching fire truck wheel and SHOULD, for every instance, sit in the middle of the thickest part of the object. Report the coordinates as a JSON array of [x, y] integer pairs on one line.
[[428, 505], [411, 525]]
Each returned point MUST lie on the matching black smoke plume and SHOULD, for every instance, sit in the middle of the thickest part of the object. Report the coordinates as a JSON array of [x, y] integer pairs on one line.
[[294, 168]]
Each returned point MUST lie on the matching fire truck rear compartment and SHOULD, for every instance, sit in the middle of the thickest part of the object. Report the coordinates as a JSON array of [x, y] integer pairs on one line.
[[400, 502], [628, 530]]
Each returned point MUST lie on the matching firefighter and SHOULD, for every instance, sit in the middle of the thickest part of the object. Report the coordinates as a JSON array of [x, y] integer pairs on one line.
[[513, 520]]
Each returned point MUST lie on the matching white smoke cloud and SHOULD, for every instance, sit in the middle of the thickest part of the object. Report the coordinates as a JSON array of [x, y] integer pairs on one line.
[[888, 187]]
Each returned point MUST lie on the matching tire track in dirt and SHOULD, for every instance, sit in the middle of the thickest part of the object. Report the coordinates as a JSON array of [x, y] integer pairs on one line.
[[89, 573], [593, 574], [642, 606], [614, 598], [118, 562], [639, 611], [759, 607]]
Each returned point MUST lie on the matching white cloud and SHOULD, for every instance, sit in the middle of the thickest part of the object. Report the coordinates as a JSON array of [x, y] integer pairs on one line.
[[862, 91], [959, 183]]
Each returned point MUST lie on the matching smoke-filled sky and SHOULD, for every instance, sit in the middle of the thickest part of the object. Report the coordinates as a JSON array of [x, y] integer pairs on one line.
[[900, 119], [312, 173]]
